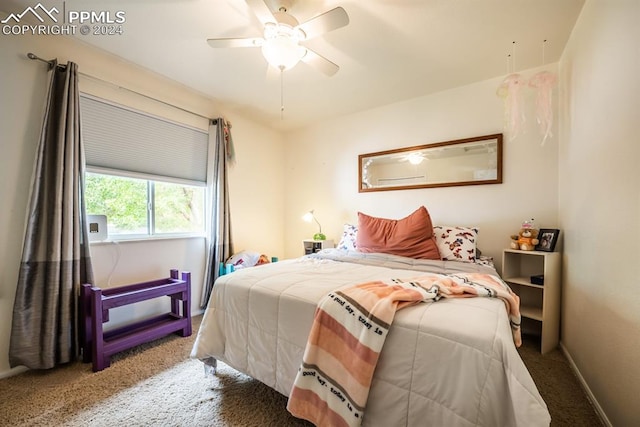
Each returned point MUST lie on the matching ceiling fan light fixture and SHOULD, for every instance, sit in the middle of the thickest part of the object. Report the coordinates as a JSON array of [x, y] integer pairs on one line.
[[282, 52], [415, 158]]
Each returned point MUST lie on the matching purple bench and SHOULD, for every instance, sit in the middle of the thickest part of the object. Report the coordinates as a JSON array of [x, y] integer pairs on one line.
[[95, 303]]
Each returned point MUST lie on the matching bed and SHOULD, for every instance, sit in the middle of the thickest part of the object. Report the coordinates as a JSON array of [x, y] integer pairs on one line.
[[450, 362]]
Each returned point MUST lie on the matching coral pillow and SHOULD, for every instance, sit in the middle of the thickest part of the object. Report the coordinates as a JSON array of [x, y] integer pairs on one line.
[[410, 237]]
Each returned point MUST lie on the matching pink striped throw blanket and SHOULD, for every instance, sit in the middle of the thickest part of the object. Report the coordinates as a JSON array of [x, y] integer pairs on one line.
[[349, 329], [467, 285]]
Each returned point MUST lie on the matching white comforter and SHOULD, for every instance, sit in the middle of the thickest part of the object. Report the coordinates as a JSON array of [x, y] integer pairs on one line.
[[445, 363]]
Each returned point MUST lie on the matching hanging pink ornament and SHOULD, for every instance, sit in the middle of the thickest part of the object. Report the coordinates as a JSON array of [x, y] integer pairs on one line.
[[543, 82], [510, 90]]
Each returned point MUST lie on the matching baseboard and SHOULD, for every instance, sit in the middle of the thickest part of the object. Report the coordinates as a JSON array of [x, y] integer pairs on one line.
[[585, 386], [12, 372]]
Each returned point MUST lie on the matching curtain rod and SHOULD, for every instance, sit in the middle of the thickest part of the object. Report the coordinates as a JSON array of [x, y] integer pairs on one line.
[[52, 62]]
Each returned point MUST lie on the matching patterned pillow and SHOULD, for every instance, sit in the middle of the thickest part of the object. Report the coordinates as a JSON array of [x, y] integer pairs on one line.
[[456, 243], [348, 240]]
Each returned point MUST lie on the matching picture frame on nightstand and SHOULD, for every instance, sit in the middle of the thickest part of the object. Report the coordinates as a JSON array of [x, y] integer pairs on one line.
[[548, 238]]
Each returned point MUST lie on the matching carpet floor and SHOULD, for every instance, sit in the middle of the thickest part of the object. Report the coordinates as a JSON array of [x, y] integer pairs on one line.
[[156, 384]]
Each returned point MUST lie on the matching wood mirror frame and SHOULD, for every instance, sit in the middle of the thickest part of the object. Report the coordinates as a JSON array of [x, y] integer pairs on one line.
[[469, 161]]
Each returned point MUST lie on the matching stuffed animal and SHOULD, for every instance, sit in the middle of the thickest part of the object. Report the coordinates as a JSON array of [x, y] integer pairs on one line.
[[527, 237]]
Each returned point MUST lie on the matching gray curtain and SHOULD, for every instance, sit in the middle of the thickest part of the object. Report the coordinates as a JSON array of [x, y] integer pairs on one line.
[[55, 254], [220, 244]]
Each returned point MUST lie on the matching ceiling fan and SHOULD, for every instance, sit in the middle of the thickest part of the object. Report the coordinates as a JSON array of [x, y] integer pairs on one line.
[[283, 35]]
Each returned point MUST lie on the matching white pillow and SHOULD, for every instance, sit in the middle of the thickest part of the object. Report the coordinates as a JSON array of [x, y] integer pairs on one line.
[[348, 240]]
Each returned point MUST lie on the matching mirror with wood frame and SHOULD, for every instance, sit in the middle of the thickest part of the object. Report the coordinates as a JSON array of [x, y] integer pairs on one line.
[[470, 161]]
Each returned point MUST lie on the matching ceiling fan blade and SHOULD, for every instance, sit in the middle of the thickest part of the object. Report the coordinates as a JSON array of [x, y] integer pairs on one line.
[[320, 63], [328, 21], [248, 42], [261, 10]]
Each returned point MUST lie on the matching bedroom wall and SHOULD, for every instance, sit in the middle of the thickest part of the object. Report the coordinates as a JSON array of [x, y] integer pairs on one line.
[[23, 86], [322, 167], [600, 205]]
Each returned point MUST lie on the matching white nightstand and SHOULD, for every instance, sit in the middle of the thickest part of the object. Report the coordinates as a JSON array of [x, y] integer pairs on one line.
[[312, 246], [539, 303]]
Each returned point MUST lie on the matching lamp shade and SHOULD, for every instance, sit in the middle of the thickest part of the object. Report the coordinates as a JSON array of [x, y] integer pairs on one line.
[[282, 52]]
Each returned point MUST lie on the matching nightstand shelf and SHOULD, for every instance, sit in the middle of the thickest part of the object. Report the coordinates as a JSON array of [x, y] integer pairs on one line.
[[531, 313], [312, 246], [539, 304]]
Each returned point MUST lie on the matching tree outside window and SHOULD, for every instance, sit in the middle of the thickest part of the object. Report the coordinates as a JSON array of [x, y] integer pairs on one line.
[[138, 207]]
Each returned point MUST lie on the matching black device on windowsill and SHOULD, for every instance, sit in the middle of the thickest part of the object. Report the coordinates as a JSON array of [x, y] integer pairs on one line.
[[538, 279]]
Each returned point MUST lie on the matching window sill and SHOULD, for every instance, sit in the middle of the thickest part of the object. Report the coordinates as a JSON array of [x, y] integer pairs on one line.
[[145, 239]]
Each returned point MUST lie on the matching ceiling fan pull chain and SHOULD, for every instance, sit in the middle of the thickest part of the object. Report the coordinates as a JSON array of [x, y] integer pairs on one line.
[[281, 92]]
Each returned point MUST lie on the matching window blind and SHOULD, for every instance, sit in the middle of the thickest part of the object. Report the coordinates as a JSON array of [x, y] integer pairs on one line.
[[132, 141]]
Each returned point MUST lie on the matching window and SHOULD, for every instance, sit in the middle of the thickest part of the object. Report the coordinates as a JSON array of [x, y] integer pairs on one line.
[[147, 174], [140, 208], [178, 208]]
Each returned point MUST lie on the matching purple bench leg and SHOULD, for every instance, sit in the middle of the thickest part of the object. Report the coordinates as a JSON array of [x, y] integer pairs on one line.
[[100, 361], [186, 305]]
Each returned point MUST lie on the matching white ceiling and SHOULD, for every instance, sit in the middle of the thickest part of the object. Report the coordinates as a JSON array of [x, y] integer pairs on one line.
[[391, 50]]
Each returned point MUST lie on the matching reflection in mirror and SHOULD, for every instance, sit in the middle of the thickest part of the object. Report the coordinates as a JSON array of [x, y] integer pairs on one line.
[[469, 161]]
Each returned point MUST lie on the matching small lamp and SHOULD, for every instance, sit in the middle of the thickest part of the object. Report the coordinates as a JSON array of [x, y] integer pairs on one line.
[[310, 216]]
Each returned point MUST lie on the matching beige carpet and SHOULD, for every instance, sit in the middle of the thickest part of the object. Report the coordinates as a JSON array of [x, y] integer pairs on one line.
[[158, 385]]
